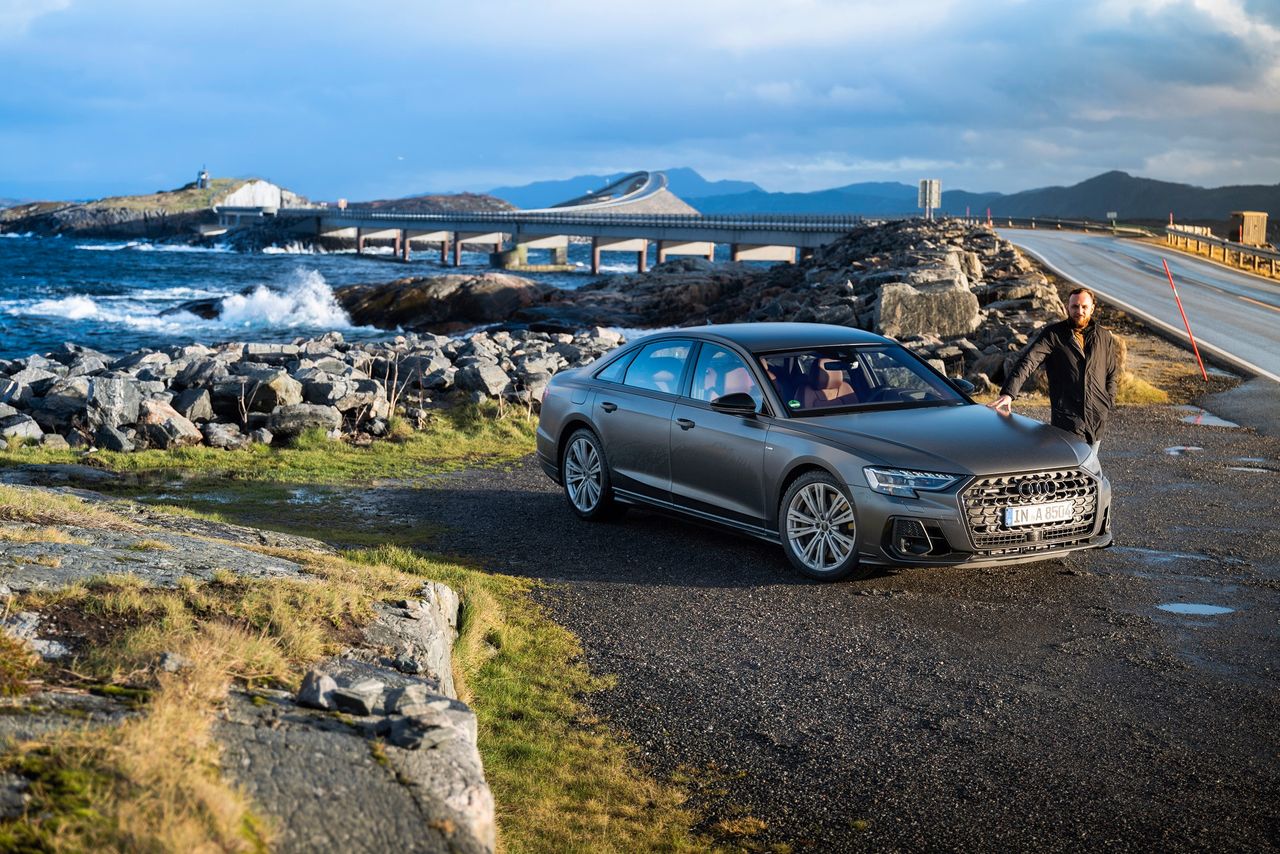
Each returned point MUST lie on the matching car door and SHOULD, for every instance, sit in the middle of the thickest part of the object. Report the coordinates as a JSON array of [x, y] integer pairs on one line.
[[633, 416], [717, 459]]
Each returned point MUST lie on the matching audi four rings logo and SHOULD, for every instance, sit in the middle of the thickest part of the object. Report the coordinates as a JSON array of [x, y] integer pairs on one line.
[[1037, 488]]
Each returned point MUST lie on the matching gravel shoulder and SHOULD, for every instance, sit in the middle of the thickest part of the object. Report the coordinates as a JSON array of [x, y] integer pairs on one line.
[[1051, 705]]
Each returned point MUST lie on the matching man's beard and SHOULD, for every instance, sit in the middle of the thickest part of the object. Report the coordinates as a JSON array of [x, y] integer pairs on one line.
[[1080, 322]]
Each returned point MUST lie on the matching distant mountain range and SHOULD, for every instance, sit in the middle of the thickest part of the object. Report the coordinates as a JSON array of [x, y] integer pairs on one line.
[[685, 183], [1130, 197]]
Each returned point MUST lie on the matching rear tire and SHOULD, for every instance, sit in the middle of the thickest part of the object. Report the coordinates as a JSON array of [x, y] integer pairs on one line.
[[819, 529], [584, 472]]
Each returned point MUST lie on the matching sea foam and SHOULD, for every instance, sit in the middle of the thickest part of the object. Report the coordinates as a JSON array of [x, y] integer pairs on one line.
[[307, 301]]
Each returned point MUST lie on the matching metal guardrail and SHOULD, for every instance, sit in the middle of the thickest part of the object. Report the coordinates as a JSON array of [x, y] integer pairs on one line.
[[1073, 224], [1262, 261], [803, 223]]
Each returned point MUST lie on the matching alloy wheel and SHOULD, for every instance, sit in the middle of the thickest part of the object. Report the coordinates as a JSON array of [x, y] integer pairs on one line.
[[821, 527], [582, 474]]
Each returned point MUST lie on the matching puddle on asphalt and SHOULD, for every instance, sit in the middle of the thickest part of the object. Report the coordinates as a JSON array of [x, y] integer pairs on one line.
[[1195, 609], [1196, 415], [1179, 450], [1158, 556], [1249, 468], [1249, 459]]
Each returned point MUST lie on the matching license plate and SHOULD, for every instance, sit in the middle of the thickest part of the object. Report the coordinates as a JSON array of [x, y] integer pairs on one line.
[[1038, 514]]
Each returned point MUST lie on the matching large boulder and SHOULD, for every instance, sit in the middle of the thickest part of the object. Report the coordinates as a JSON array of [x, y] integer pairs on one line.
[[194, 405], [112, 439], [927, 310], [290, 421], [67, 398], [441, 303], [25, 384], [225, 436], [255, 390], [20, 427], [489, 380], [113, 401], [165, 428]]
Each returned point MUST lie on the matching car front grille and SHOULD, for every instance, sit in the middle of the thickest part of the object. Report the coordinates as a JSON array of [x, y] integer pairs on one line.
[[985, 500]]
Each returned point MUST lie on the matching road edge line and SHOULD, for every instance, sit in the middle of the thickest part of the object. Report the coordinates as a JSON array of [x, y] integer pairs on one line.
[[1165, 330]]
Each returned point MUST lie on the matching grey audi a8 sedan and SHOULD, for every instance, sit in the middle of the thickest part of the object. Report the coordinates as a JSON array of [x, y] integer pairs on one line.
[[839, 444]]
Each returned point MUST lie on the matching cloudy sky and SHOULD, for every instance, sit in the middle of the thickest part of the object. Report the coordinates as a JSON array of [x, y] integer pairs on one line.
[[384, 99]]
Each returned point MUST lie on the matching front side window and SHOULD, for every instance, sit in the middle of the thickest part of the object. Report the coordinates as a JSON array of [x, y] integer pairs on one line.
[[720, 372], [658, 366], [840, 378]]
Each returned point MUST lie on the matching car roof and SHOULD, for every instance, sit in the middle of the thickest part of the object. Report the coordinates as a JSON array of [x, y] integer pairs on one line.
[[762, 337]]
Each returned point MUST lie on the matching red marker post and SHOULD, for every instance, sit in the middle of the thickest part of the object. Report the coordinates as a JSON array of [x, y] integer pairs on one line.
[[1185, 322]]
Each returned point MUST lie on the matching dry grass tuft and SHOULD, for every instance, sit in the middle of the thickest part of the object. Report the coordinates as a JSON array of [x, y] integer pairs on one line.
[[41, 507], [15, 534], [1132, 390], [151, 546], [17, 663]]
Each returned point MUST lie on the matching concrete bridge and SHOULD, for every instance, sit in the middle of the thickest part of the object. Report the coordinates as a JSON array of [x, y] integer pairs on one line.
[[617, 218]]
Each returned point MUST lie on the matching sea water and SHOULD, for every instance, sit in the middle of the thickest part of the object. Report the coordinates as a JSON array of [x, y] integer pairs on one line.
[[112, 295]]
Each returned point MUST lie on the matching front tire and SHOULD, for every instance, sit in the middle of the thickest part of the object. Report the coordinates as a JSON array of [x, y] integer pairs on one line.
[[584, 472], [819, 528]]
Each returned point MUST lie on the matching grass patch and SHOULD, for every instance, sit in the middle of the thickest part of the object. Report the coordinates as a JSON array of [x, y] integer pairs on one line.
[[151, 546], [455, 438], [17, 664], [1132, 390], [45, 534], [41, 507]]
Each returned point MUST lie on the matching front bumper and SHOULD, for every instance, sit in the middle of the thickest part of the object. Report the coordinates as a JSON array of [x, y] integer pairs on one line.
[[941, 529]]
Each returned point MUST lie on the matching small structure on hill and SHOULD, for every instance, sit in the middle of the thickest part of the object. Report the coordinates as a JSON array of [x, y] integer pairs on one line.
[[202, 179], [1249, 228]]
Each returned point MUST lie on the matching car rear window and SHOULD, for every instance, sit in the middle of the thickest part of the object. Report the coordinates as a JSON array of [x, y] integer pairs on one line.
[[658, 366]]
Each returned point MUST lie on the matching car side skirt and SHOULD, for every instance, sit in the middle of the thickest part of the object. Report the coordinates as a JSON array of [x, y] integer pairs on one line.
[[628, 497]]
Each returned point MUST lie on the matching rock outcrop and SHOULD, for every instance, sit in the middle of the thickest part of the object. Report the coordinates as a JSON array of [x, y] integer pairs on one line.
[[235, 394]]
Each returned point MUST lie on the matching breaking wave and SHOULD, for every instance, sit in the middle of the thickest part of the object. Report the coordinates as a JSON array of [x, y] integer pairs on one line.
[[146, 246], [307, 301]]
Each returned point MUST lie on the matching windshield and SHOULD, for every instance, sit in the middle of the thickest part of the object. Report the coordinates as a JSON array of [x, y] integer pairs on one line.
[[822, 379]]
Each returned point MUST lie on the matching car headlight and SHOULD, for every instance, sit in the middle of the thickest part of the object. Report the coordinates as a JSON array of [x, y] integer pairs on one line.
[[904, 483]]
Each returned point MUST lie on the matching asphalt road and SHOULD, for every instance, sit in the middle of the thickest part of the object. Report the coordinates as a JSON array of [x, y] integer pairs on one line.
[[1234, 313], [1049, 706]]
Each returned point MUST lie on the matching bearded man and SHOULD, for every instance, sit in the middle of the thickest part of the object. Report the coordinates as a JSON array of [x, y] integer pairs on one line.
[[1082, 363]]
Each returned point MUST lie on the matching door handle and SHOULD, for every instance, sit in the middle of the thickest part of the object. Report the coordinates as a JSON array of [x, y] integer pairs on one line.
[[685, 423], [608, 407]]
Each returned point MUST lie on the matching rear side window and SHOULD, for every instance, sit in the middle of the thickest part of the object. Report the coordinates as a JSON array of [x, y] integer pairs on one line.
[[658, 366], [613, 372]]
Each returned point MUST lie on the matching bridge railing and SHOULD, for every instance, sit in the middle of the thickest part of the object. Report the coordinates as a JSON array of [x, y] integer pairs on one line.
[[1257, 259], [829, 222]]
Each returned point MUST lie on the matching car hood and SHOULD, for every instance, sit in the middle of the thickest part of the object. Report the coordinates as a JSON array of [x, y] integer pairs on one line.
[[970, 439]]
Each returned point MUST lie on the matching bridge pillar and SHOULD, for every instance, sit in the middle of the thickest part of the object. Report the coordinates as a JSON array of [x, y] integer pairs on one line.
[[762, 252], [638, 245], [359, 241], [444, 252], [493, 238], [702, 248]]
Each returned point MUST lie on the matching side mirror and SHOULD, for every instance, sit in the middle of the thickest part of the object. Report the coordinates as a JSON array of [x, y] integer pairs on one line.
[[963, 385], [738, 403]]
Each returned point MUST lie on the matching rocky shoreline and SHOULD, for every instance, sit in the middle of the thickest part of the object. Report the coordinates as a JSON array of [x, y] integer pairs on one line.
[[238, 394]]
